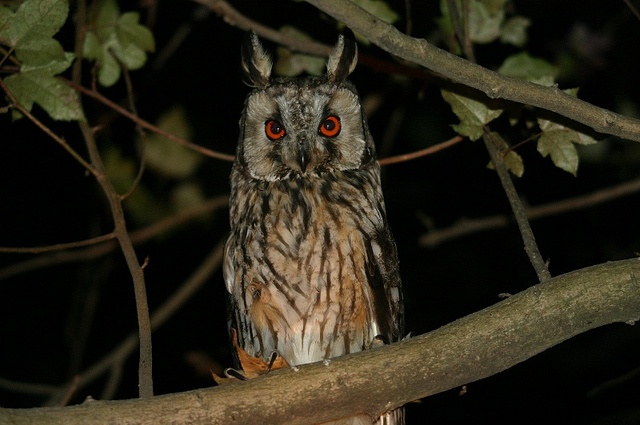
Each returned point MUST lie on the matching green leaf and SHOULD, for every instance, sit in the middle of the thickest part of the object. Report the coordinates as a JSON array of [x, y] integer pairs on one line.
[[107, 13], [131, 32], [379, 9], [514, 31], [485, 19], [472, 113], [43, 53], [484, 24], [558, 142], [187, 195], [29, 32], [108, 66], [116, 38], [39, 86], [121, 171], [511, 158], [528, 68], [167, 157], [446, 27], [494, 6], [34, 17], [290, 64], [141, 204]]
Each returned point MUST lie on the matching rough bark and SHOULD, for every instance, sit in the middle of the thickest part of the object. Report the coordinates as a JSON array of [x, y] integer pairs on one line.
[[474, 347], [492, 84]]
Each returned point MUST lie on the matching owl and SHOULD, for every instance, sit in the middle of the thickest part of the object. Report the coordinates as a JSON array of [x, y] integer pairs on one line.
[[310, 264]]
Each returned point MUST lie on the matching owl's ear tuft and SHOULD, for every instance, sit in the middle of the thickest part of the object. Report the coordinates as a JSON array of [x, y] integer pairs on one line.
[[344, 58], [256, 63]]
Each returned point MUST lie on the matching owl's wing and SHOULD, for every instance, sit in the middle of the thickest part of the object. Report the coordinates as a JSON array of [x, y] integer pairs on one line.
[[229, 264], [384, 279], [236, 338]]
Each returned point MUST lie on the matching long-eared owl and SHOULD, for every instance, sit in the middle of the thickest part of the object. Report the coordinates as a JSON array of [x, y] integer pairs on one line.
[[310, 264]]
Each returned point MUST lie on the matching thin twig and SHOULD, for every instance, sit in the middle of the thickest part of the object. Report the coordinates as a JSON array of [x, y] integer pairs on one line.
[[632, 8], [469, 226], [145, 124], [134, 111], [145, 375], [497, 159], [468, 44], [408, 29], [96, 251], [45, 129], [57, 247], [160, 316], [27, 387], [233, 17], [530, 246], [72, 389], [525, 141], [113, 382], [422, 152]]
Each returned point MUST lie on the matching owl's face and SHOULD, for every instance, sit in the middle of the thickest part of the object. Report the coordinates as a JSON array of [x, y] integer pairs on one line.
[[300, 127]]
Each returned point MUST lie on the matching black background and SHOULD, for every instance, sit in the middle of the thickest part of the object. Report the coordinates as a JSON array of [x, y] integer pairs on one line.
[[45, 198]]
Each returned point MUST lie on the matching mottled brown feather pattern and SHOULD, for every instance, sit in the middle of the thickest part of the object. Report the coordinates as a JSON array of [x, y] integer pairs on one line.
[[310, 264]]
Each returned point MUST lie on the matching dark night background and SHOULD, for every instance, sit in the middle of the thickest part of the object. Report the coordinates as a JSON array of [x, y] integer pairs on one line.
[[45, 198]]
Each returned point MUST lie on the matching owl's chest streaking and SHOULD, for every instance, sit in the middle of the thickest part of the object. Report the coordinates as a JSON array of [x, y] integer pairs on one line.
[[298, 265]]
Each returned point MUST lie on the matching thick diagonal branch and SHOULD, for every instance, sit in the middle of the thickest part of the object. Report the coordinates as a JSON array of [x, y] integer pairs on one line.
[[491, 83], [469, 349]]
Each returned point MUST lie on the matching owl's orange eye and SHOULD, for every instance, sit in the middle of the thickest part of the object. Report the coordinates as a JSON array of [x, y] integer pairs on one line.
[[330, 127], [274, 130]]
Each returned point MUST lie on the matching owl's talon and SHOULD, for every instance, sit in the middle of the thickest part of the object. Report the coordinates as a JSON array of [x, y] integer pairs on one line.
[[272, 359], [234, 373], [379, 341]]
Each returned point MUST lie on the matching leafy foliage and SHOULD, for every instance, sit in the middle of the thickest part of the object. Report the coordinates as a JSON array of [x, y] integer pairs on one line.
[[116, 39], [558, 141], [528, 68], [168, 160], [290, 64], [167, 157], [28, 32], [379, 8], [511, 158], [473, 114], [487, 23]]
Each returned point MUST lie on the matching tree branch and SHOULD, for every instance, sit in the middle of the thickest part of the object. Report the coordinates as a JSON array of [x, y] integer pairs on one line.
[[145, 376], [491, 83], [145, 124], [422, 152], [114, 359], [472, 348], [466, 226], [528, 238], [61, 254]]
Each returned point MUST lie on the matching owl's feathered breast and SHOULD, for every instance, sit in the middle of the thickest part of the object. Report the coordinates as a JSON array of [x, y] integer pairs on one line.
[[303, 264]]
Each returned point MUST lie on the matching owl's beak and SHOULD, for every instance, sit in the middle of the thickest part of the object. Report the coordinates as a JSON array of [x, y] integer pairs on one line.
[[303, 157]]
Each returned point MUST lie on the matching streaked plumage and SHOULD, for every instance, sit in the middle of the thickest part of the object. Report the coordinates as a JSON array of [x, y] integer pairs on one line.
[[310, 264]]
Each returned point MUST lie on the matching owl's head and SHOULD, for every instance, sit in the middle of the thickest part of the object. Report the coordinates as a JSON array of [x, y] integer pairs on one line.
[[300, 127]]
